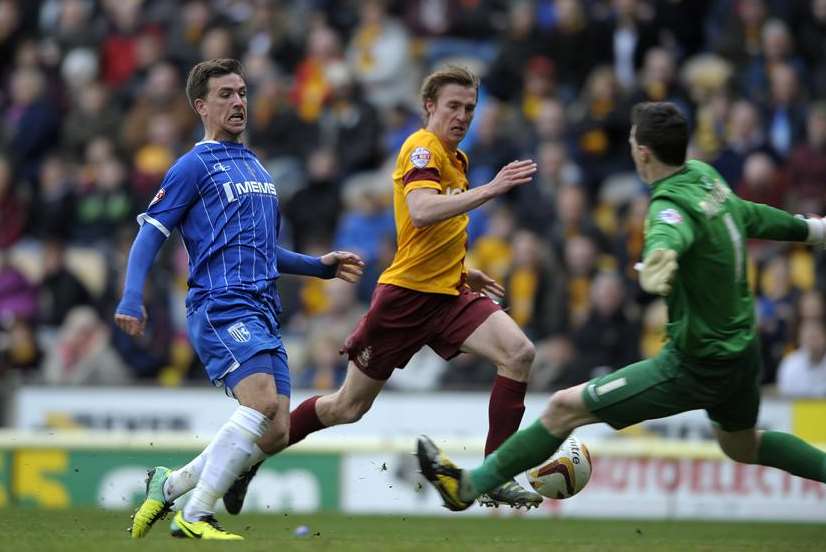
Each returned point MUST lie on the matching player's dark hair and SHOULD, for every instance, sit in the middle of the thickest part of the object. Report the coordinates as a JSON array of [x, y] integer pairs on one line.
[[663, 129], [450, 74], [197, 83]]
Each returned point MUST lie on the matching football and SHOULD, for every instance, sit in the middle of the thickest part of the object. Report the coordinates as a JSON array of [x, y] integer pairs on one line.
[[565, 473]]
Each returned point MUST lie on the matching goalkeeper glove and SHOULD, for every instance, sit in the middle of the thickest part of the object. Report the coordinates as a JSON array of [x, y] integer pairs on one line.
[[658, 271], [817, 230]]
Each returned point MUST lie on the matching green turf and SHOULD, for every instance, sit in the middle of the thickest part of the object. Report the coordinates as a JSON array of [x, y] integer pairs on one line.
[[99, 531]]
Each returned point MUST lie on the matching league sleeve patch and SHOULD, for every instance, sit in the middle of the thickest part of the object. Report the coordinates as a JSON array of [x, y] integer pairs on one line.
[[670, 216], [420, 157], [158, 197]]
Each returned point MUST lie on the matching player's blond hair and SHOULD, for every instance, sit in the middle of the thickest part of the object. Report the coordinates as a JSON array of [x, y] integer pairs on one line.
[[450, 74]]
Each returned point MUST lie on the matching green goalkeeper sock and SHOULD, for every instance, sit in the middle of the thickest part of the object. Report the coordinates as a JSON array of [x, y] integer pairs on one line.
[[792, 454], [522, 450]]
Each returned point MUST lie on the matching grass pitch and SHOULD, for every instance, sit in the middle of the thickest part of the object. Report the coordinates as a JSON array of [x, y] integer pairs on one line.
[[98, 531]]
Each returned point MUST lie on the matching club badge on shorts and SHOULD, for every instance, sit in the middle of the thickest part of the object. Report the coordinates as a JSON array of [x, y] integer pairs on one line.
[[239, 332]]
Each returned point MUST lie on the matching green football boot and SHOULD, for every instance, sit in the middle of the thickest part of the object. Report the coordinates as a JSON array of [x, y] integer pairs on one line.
[[154, 506]]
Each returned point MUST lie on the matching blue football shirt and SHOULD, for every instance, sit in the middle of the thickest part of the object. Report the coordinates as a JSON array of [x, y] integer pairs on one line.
[[225, 205]]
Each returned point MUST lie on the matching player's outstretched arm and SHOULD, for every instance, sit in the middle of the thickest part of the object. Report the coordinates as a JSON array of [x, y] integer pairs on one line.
[[130, 314], [349, 266], [427, 206], [336, 264], [769, 223]]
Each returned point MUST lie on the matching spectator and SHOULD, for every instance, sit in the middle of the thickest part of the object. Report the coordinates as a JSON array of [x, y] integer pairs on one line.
[[20, 351], [72, 24], [573, 218], [492, 252], [607, 339], [571, 46], [802, 373], [55, 198], [311, 87], [365, 223], [807, 165], [658, 82], [218, 42], [776, 49], [59, 290], [550, 125], [160, 95], [775, 310], [13, 207], [535, 204], [623, 39], [379, 57], [762, 182], [739, 40], [811, 38], [492, 148], [348, 124], [18, 297], [82, 354], [187, 31], [535, 288], [313, 211], [580, 267], [93, 113], [743, 136], [784, 114], [275, 127], [118, 58], [600, 120], [32, 125], [522, 42], [103, 203]]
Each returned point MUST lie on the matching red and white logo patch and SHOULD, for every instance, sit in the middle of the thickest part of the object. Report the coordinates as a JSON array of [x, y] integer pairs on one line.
[[420, 157], [670, 216], [158, 197]]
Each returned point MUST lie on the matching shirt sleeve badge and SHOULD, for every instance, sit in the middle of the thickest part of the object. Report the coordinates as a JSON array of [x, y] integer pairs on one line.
[[158, 197], [670, 216], [420, 157]]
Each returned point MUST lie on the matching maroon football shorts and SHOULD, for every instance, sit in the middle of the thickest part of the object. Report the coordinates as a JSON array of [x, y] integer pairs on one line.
[[402, 321]]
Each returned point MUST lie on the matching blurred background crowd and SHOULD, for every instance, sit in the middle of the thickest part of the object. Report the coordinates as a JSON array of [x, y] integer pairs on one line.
[[93, 112]]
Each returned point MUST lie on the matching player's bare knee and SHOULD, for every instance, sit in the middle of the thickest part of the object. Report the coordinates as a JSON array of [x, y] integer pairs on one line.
[[276, 439], [517, 359], [525, 353], [280, 438], [560, 414], [346, 411], [353, 411], [268, 406]]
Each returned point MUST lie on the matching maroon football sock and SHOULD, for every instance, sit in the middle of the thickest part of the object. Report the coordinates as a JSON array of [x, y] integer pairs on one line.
[[304, 420], [507, 404]]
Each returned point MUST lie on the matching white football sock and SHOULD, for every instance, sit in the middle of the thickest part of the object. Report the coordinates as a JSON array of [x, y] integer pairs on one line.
[[257, 455], [184, 479], [231, 449]]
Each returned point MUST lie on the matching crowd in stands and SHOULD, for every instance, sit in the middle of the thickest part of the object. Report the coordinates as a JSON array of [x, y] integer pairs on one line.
[[94, 112]]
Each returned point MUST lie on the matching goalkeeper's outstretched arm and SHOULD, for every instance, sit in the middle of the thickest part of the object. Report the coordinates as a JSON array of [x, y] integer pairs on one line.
[[768, 223]]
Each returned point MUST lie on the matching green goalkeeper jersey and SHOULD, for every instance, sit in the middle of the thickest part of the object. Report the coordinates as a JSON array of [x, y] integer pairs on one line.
[[694, 212]]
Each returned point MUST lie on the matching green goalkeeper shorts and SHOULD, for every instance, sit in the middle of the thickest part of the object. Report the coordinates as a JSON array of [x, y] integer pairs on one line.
[[671, 383]]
